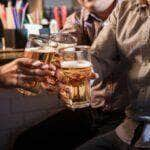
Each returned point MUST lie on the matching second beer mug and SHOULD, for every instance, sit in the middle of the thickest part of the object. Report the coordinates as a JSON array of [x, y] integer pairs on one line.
[[75, 89], [46, 55]]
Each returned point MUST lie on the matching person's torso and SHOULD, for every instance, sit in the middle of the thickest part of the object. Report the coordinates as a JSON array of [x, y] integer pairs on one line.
[[133, 38]]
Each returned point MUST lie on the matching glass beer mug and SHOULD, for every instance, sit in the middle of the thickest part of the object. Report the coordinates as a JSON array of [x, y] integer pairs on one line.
[[46, 50], [77, 71], [38, 49]]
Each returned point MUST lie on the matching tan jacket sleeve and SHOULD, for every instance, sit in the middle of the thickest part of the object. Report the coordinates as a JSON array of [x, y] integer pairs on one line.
[[105, 52]]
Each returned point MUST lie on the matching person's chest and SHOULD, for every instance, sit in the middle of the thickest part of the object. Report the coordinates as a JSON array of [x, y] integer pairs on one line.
[[91, 29], [133, 38], [133, 32]]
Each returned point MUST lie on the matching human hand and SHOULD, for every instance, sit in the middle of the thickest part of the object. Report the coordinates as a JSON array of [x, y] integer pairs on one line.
[[102, 97], [24, 70], [65, 91], [98, 96]]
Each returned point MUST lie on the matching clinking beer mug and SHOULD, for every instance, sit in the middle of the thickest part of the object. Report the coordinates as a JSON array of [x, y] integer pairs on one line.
[[76, 72], [39, 49], [47, 56], [46, 50]]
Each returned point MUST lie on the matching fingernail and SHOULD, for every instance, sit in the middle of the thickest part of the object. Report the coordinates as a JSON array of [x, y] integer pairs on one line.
[[53, 67], [52, 73], [36, 63], [45, 66]]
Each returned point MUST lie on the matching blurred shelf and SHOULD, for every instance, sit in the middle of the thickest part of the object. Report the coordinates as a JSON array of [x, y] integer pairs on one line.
[[10, 54]]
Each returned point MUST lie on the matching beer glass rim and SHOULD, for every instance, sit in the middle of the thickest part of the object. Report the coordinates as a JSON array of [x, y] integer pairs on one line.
[[43, 38], [77, 55], [31, 48], [39, 49], [73, 51], [83, 47], [77, 48]]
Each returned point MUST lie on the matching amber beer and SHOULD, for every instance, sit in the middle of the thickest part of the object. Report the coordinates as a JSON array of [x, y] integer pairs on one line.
[[77, 80], [45, 55]]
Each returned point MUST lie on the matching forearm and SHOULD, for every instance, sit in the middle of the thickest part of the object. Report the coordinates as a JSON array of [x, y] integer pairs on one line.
[[4, 74], [1, 79]]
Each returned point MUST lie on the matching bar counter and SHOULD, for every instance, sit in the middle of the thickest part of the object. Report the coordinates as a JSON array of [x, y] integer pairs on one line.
[[9, 54]]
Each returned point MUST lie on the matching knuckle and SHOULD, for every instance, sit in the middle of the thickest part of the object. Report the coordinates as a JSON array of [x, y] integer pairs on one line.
[[37, 71]]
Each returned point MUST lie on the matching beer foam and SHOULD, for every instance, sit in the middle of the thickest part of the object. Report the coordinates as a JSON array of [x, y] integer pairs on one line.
[[76, 64], [70, 49], [40, 50], [32, 49]]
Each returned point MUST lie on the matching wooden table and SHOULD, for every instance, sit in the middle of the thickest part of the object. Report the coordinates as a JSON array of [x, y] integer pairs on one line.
[[10, 54]]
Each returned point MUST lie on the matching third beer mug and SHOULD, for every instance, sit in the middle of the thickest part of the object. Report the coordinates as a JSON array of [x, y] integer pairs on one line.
[[77, 72]]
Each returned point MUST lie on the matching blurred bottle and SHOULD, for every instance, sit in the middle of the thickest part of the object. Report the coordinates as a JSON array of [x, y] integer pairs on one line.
[[57, 16], [54, 27], [64, 13]]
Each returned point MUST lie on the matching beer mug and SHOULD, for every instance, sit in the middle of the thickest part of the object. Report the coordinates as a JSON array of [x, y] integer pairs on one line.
[[46, 50], [76, 69], [44, 55], [38, 49]]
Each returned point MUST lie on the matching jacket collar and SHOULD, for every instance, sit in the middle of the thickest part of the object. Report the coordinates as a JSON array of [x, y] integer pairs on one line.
[[88, 15]]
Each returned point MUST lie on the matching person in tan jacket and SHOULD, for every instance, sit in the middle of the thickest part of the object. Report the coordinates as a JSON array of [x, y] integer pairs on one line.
[[124, 46], [86, 23]]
